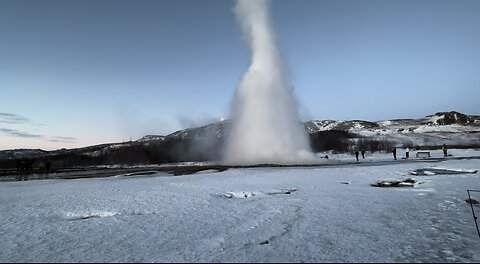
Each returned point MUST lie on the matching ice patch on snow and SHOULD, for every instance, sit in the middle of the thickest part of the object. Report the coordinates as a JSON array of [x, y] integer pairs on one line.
[[239, 194], [283, 191], [459, 170]]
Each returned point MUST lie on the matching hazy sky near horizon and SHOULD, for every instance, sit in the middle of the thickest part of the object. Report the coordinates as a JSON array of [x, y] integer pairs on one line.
[[77, 73]]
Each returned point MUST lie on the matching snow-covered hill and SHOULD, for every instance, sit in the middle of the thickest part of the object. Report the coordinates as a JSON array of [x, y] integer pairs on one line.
[[451, 128], [442, 121], [215, 130]]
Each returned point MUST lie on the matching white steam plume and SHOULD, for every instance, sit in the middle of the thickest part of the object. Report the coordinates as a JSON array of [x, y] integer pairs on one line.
[[265, 124]]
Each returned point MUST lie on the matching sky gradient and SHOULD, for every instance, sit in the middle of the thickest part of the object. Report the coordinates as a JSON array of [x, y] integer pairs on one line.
[[78, 73]]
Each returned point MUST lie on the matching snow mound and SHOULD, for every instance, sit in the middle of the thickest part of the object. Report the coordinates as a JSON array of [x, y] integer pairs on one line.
[[72, 216], [435, 171], [408, 182], [243, 194]]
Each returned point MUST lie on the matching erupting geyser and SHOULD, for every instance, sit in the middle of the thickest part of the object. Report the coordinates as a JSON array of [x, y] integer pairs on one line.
[[265, 124]]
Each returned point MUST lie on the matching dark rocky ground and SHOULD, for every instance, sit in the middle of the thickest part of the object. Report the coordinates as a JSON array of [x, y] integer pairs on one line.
[[179, 169]]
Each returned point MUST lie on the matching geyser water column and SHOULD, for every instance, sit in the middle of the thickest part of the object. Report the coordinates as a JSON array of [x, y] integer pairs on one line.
[[265, 125]]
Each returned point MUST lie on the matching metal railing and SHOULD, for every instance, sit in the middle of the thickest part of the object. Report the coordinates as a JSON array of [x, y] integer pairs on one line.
[[473, 211]]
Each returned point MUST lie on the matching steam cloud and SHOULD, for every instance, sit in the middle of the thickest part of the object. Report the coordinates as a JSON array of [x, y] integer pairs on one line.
[[265, 124]]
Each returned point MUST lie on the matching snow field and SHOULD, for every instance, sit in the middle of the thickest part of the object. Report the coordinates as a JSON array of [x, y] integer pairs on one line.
[[161, 218]]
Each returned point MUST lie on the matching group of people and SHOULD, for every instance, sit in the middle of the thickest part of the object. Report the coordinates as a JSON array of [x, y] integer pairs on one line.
[[394, 152], [358, 153], [407, 152]]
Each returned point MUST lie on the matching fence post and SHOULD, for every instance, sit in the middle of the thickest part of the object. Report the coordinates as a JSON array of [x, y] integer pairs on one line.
[[473, 211]]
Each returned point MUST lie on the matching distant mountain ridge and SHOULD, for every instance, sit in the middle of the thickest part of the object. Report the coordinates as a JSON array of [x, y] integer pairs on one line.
[[437, 119], [442, 122], [451, 128]]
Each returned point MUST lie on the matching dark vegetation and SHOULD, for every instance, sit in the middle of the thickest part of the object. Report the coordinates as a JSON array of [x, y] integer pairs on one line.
[[180, 149], [334, 140], [168, 150], [373, 145], [129, 153]]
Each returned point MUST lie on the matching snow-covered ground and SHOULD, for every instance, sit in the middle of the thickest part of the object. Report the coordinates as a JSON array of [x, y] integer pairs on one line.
[[301, 214]]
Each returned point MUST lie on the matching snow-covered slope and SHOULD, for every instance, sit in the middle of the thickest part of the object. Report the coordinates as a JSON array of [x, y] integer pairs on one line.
[[215, 130], [451, 128], [148, 138], [442, 121]]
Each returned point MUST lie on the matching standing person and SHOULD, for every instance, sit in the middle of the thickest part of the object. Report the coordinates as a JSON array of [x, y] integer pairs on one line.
[[407, 153], [356, 154], [394, 151], [363, 153], [444, 150]]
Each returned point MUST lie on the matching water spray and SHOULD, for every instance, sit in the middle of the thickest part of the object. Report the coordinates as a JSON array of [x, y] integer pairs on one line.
[[265, 125]]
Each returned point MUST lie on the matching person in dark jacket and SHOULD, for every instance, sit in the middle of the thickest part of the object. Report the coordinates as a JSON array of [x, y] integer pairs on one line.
[[444, 148]]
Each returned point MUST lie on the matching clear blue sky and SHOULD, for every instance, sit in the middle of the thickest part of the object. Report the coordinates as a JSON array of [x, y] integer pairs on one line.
[[77, 73]]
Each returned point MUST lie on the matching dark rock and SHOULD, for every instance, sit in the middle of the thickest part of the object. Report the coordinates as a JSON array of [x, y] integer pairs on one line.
[[264, 242], [471, 201]]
